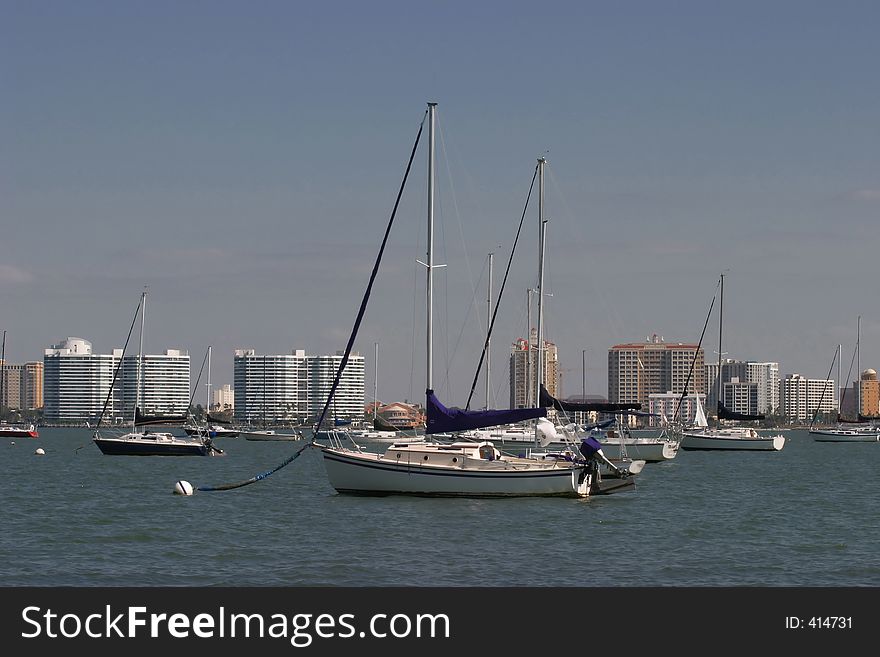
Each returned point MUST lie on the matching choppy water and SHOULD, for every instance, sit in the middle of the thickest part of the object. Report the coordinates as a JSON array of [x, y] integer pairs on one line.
[[805, 516]]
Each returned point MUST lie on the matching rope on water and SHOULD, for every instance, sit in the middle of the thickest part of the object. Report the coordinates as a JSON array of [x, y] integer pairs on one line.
[[348, 347], [260, 476]]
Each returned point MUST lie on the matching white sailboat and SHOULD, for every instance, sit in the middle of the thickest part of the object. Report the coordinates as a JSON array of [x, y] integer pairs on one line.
[[214, 427], [471, 469], [703, 437], [847, 431], [144, 442]]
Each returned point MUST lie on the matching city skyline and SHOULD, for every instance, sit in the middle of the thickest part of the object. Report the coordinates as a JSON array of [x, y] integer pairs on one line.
[[243, 162]]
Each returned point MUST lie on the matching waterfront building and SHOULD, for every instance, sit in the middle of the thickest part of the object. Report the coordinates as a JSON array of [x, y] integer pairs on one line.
[[740, 396], [800, 397], [348, 401], [223, 399], [270, 389], [21, 386], [77, 383], [292, 388], [523, 370], [764, 375], [165, 387], [869, 394], [402, 416], [637, 370]]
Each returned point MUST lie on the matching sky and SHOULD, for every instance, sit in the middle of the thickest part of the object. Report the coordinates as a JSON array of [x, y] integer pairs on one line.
[[241, 159]]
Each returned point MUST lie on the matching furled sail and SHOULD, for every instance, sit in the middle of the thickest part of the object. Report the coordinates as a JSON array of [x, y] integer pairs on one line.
[[142, 420], [442, 419], [725, 413], [700, 415], [549, 400]]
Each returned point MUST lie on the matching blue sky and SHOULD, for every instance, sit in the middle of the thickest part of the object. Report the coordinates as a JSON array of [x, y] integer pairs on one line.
[[241, 159]]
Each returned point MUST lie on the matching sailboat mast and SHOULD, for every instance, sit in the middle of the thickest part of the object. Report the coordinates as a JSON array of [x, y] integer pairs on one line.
[[859, 369], [839, 381], [2, 370], [539, 366], [139, 388], [529, 388], [720, 326], [488, 336], [376, 385], [208, 387], [429, 320]]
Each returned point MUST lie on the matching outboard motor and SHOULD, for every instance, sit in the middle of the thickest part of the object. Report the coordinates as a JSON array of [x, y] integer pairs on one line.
[[592, 450]]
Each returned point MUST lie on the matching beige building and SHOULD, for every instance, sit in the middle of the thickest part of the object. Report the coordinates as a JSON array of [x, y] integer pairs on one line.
[[523, 371], [21, 387], [869, 394], [637, 370]]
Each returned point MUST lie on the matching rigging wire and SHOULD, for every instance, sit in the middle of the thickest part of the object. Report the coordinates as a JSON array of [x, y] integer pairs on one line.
[[501, 291], [824, 388], [116, 371], [694, 361], [344, 361]]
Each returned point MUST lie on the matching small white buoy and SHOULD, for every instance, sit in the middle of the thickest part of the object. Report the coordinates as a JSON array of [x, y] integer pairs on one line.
[[183, 487], [12, 443], [40, 451]]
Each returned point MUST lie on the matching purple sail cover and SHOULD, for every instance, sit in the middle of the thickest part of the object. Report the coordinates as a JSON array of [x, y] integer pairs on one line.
[[449, 420]]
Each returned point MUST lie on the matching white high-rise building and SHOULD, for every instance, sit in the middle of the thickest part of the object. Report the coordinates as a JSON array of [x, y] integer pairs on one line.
[[348, 401], [270, 389], [766, 377], [293, 388], [223, 398], [77, 382], [763, 375], [165, 389], [799, 397]]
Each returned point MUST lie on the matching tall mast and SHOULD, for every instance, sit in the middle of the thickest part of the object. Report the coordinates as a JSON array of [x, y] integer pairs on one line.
[[529, 387], [839, 381], [539, 366], [429, 321], [488, 336], [720, 325], [376, 385], [583, 375], [139, 389], [2, 370], [859, 369], [208, 387]]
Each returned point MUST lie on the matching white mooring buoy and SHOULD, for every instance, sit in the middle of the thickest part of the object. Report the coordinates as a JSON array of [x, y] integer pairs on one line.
[[40, 451], [183, 487]]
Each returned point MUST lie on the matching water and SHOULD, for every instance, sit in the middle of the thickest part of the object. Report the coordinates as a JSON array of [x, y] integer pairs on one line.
[[805, 516]]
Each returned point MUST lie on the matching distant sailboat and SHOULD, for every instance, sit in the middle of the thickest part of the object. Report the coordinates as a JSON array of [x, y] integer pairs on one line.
[[143, 442], [702, 437], [859, 430]]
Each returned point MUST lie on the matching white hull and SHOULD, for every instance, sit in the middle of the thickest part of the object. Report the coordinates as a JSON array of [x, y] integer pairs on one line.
[[731, 441], [350, 471], [269, 435], [644, 449], [384, 437], [844, 436]]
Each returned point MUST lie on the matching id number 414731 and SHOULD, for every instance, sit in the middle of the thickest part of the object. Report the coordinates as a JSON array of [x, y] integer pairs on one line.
[[819, 623]]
